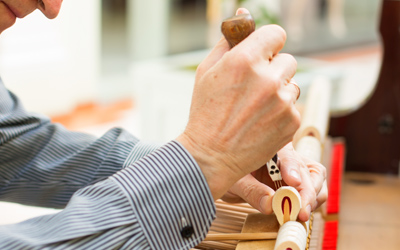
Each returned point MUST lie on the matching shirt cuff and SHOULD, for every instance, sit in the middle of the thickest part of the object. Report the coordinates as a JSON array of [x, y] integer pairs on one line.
[[170, 196]]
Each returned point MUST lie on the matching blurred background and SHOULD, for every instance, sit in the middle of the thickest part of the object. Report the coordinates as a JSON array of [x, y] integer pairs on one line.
[[131, 63], [102, 56]]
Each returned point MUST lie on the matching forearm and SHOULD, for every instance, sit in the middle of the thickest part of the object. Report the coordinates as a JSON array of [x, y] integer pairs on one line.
[[90, 215], [43, 164]]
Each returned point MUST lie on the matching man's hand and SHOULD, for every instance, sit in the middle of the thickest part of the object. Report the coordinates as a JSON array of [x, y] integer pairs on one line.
[[307, 176], [242, 108]]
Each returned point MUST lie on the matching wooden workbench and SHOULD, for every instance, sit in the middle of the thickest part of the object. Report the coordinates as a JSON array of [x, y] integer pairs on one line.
[[370, 212]]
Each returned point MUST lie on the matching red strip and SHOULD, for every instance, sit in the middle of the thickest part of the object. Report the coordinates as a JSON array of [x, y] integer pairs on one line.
[[334, 189], [330, 235]]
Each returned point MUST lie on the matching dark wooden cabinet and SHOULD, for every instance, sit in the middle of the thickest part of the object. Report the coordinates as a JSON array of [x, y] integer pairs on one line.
[[373, 132]]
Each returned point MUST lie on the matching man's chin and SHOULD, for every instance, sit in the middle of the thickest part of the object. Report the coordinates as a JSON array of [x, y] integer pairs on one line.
[[7, 17], [4, 26]]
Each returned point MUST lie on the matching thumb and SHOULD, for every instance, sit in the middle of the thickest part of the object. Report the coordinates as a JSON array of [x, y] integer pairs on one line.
[[218, 51], [257, 194], [242, 11], [290, 164], [215, 55]]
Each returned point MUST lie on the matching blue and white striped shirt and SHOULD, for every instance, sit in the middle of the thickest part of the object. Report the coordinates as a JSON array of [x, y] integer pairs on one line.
[[116, 192]]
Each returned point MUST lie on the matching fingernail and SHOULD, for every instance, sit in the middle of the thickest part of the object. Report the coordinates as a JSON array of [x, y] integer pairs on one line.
[[295, 174], [242, 11]]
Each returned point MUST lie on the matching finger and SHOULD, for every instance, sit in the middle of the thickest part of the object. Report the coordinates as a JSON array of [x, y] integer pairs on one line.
[[266, 41], [308, 195], [312, 184], [295, 173], [317, 175], [290, 92], [241, 11], [284, 66], [322, 196], [290, 166], [294, 83], [218, 51], [213, 57], [255, 193]]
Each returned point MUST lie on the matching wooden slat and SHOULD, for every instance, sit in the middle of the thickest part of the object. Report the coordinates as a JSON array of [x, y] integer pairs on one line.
[[259, 223]]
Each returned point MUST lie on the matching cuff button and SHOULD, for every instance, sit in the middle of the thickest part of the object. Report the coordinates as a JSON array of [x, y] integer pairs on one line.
[[187, 232]]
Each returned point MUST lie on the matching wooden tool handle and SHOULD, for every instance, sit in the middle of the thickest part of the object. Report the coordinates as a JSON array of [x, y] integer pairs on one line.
[[241, 236], [237, 28]]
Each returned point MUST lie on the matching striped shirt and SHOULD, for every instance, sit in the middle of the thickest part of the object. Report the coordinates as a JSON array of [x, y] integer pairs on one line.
[[116, 192]]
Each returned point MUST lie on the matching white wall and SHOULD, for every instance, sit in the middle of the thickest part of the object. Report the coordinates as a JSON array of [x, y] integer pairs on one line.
[[52, 65]]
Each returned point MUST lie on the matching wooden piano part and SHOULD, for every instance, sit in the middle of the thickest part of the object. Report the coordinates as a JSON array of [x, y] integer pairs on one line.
[[241, 236], [286, 204], [231, 219], [310, 137], [259, 223], [274, 172], [292, 233], [372, 132]]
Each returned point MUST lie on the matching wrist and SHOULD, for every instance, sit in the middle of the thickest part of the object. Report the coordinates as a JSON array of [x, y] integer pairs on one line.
[[218, 175]]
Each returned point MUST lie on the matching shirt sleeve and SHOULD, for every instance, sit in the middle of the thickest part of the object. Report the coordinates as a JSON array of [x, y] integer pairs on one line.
[[43, 164], [161, 201]]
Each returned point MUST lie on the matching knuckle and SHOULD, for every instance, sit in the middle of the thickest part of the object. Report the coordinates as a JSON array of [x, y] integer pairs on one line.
[[319, 169], [278, 31], [290, 60], [287, 108], [274, 82], [201, 69], [303, 167], [323, 170], [242, 58], [248, 191], [241, 64]]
